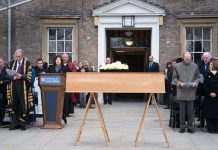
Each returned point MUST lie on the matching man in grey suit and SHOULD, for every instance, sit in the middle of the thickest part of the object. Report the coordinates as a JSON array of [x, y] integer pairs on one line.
[[186, 77]]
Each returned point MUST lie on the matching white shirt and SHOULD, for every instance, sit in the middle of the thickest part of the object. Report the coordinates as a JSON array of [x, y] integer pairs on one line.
[[18, 64]]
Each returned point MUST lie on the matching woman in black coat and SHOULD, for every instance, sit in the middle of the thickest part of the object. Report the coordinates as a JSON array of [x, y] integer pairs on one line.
[[58, 67], [211, 97]]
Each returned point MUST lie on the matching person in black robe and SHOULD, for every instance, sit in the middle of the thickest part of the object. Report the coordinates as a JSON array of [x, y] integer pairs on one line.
[[3, 83], [211, 97], [58, 67], [19, 92]]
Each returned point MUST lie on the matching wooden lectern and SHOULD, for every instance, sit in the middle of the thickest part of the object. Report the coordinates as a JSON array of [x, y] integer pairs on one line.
[[53, 91]]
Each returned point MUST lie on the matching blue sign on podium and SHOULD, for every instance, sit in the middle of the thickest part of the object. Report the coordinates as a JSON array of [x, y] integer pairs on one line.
[[50, 80]]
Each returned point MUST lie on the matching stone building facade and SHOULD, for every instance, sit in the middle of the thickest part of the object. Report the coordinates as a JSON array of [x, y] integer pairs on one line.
[[170, 27]]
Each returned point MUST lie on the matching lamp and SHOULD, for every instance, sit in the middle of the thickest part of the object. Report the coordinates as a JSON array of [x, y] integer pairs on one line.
[[128, 21], [129, 42], [128, 33], [128, 39]]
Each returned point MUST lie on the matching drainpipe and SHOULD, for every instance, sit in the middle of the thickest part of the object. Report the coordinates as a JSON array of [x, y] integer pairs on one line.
[[9, 30]]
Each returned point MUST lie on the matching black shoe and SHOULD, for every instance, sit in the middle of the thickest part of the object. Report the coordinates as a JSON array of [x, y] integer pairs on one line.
[[110, 103], [210, 131], [167, 108], [181, 130], [5, 124], [65, 120], [191, 130], [13, 127], [81, 106], [23, 127]]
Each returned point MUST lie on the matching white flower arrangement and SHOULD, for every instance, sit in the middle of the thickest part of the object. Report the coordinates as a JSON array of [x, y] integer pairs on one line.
[[114, 66]]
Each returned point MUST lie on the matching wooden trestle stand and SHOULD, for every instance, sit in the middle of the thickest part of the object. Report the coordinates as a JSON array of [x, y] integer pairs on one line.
[[115, 82]]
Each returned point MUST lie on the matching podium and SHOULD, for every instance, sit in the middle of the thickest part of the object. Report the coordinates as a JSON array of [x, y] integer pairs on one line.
[[52, 91]]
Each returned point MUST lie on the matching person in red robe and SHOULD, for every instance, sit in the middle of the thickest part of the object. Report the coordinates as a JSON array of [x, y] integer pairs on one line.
[[70, 65]]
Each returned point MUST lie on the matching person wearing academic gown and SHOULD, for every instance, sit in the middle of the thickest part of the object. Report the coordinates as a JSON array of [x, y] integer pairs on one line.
[[19, 92], [72, 96], [58, 67]]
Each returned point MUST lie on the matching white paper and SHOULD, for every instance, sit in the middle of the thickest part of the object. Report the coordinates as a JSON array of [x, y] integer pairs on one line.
[[201, 78], [11, 72]]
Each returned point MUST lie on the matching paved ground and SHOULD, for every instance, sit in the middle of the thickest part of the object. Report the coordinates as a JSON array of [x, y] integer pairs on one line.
[[122, 121]]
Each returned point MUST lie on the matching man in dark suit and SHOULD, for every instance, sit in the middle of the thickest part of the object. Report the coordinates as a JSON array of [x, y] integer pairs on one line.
[[203, 68], [107, 96], [152, 67]]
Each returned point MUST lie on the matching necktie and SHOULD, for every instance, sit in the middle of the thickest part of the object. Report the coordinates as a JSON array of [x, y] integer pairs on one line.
[[18, 69], [205, 67], [150, 65]]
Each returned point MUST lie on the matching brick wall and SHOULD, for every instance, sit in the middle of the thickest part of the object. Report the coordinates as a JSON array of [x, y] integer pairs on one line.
[[27, 35], [170, 31], [3, 34]]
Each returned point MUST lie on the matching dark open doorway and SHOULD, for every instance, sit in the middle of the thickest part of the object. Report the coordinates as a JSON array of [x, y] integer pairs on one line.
[[130, 47], [135, 60]]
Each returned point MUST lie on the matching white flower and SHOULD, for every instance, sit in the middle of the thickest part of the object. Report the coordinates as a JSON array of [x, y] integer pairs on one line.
[[116, 66]]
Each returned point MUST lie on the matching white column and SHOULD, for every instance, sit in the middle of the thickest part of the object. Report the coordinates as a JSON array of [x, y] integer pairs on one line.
[[101, 45], [155, 42], [101, 53]]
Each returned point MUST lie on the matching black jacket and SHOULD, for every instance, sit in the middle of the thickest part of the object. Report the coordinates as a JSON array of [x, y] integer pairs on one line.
[[211, 103], [63, 69], [153, 68], [3, 80]]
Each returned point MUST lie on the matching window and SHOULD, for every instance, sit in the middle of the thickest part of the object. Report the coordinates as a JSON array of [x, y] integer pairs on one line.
[[59, 41], [198, 40]]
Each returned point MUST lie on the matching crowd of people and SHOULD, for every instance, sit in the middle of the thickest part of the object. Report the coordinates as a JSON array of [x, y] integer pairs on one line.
[[188, 85], [191, 88], [17, 83]]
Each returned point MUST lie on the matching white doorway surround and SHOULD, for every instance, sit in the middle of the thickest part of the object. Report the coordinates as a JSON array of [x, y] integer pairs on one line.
[[110, 16]]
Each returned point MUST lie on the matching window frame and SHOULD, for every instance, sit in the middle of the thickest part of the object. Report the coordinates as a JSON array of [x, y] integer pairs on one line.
[[71, 22], [56, 43], [202, 40], [186, 22]]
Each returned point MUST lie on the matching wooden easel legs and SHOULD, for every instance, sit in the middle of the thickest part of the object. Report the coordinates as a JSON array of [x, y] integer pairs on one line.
[[104, 129], [100, 115], [143, 117]]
